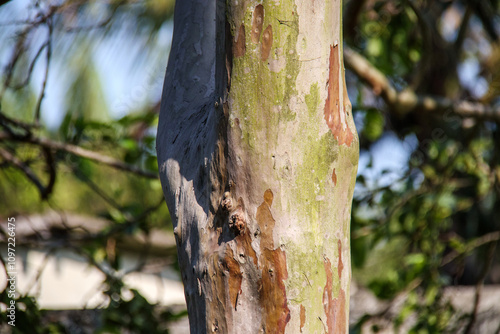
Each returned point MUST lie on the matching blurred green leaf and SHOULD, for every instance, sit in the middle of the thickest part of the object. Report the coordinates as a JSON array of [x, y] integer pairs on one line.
[[374, 125]]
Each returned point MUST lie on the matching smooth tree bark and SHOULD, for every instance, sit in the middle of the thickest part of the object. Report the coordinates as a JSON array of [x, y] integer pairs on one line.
[[258, 154]]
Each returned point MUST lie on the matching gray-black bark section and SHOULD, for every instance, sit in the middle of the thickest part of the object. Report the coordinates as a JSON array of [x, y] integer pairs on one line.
[[196, 84]]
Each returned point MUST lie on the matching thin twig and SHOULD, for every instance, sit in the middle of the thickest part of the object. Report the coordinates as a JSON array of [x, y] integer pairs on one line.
[[51, 167], [5, 121], [104, 267], [121, 227], [30, 69], [463, 28], [16, 55], [118, 228], [471, 245], [45, 191], [81, 152], [426, 30], [95, 188], [46, 75], [25, 169]]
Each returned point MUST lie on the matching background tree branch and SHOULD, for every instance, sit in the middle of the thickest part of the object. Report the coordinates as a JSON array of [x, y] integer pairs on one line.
[[81, 152], [407, 101]]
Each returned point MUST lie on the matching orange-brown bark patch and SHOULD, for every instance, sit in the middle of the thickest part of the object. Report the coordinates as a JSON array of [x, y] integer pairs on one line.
[[340, 265], [268, 197], [267, 42], [239, 47], [335, 114], [334, 307], [257, 22], [302, 317], [276, 313], [340, 313], [266, 221], [235, 276], [334, 177]]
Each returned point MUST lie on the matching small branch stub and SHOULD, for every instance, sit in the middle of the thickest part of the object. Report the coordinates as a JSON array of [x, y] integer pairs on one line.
[[237, 221], [227, 202]]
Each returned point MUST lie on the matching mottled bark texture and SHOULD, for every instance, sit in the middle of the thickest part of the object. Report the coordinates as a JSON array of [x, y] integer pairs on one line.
[[258, 154]]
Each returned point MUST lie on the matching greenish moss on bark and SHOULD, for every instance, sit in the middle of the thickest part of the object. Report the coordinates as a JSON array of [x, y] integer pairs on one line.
[[312, 99], [261, 90], [314, 173], [310, 276]]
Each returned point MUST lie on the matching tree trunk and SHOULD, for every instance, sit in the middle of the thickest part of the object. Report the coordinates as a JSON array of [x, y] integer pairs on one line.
[[258, 153]]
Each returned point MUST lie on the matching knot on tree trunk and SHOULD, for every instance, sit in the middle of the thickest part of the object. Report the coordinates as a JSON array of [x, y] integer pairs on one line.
[[237, 221]]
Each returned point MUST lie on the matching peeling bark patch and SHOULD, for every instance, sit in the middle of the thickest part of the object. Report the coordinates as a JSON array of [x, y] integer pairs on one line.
[[266, 221], [258, 20], [334, 177], [239, 45], [275, 314], [218, 286], [335, 114], [302, 317], [235, 276], [340, 266], [334, 307], [328, 296], [267, 42], [244, 243], [340, 313]]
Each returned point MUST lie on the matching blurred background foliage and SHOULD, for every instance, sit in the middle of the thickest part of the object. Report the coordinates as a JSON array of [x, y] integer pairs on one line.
[[83, 79], [427, 202], [79, 100]]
